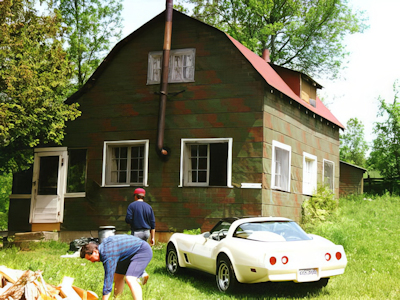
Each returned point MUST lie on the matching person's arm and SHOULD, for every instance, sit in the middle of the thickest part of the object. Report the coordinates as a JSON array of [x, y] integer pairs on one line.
[[129, 213], [152, 237], [105, 297], [153, 228], [109, 270]]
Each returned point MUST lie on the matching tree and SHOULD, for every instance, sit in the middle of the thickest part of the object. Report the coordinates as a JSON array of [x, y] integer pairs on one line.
[[34, 72], [5, 191], [303, 35], [353, 147], [92, 24], [385, 154]]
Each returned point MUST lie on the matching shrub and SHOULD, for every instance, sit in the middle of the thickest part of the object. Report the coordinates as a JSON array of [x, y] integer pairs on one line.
[[192, 231], [319, 206]]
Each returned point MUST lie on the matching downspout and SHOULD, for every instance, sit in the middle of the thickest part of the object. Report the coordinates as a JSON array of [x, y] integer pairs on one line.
[[164, 79]]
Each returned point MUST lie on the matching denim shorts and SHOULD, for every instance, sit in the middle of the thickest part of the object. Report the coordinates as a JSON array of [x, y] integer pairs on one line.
[[137, 263]]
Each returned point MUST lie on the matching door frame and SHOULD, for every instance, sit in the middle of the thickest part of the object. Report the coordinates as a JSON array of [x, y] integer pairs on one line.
[[61, 181]]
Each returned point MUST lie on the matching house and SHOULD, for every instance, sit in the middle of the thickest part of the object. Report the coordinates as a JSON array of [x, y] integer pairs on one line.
[[244, 137], [351, 179]]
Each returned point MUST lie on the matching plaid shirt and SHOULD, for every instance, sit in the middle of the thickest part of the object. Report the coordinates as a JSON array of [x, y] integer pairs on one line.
[[113, 249]]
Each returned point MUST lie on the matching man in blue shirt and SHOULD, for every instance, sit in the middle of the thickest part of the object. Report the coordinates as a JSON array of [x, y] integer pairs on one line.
[[122, 256], [140, 216]]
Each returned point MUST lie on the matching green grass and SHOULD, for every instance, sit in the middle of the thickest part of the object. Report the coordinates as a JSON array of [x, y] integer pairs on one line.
[[367, 227]]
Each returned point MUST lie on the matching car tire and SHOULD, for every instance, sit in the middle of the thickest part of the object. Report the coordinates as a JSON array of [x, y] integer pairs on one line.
[[171, 260], [225, 275]]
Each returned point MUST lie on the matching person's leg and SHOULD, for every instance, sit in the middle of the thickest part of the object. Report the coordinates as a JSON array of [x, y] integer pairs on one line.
[[135, 287], [144, 235], [118, 284], [119, 275], [138, 264]]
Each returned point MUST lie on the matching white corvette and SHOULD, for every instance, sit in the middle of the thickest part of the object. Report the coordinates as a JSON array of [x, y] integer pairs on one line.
[[252, 250]]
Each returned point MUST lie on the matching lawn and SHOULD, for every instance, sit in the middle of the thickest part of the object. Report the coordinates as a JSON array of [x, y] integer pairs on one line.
[[367, 227]]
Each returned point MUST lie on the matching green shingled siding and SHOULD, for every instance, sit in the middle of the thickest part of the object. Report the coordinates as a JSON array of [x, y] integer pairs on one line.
[[225, 101], [287, 122]]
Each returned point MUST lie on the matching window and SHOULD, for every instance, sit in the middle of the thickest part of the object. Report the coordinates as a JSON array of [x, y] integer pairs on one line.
[[181, 66], [206, 162], [309, 173], [125, 163], [76, 177], [280, 172], [329, 173]]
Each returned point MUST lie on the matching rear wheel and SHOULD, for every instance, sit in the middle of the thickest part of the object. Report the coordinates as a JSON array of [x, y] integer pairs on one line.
[[225, 276], [171, 260]]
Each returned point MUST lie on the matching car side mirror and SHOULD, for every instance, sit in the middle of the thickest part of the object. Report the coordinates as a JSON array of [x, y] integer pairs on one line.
[[206, 235]]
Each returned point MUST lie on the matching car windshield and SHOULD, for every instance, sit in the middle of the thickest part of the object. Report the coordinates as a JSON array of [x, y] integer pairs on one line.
[[271, 231], [221, 225]]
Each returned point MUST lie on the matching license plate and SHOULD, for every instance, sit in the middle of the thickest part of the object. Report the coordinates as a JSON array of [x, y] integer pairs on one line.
[[308, 272]]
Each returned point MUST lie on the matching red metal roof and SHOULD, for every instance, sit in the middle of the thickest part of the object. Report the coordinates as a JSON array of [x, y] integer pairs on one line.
[[274, 80]]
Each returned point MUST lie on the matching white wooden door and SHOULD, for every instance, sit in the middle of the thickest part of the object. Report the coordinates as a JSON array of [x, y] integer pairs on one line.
[[49, 185]]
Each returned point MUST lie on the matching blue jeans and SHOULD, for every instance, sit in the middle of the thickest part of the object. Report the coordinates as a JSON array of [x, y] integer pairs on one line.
[[143, 234]]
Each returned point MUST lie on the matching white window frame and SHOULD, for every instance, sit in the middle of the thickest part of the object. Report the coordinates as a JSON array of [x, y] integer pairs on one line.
[[155, 63], [333, 173], [274, 184], [108, 145], [183, 180], [309, 173]]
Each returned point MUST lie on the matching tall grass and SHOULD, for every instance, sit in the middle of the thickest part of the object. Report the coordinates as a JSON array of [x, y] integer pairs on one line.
[[367, 227]]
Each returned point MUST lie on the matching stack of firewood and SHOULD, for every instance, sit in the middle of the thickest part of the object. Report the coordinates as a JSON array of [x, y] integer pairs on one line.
[[29, 285]]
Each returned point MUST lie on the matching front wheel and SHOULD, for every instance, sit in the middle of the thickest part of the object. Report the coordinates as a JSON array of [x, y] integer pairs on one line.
[[171, 260], [225, 276]]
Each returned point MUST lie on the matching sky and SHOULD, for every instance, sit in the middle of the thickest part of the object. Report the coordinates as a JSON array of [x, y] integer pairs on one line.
[[373, 64]]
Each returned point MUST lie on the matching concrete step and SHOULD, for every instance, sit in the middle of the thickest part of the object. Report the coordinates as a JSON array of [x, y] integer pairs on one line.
[[36, 236]]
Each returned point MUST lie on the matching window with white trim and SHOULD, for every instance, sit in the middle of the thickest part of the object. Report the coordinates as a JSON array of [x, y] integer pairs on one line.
[[280, 171], [309, 173], [125, 163], [329, 173], [181, 66], [206, 162]]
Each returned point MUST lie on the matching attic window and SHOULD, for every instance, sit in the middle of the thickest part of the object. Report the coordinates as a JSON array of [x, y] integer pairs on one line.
[[313, 102], [181, 66]]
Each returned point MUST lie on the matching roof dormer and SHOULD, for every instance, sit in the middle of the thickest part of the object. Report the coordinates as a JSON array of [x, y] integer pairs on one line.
[[301, 84]]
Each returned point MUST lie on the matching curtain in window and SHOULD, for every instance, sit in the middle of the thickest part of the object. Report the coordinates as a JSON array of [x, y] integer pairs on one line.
[[177, 68], [308, 176], [156, 68], [328, 174], [308, 173], [188, 69], [282, 169], [119, 157]]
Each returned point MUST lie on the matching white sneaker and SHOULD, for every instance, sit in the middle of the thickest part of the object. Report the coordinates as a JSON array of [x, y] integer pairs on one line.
[[143, 279]]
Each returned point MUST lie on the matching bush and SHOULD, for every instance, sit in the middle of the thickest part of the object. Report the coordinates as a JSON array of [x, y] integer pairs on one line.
[[192, 231], [319, 206]]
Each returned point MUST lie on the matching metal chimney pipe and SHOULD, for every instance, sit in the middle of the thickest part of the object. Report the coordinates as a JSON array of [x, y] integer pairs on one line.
[[265, 55], [164, 77]]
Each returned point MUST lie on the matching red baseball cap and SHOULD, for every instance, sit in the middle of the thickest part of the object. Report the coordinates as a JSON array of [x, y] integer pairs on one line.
[[139, 191]]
